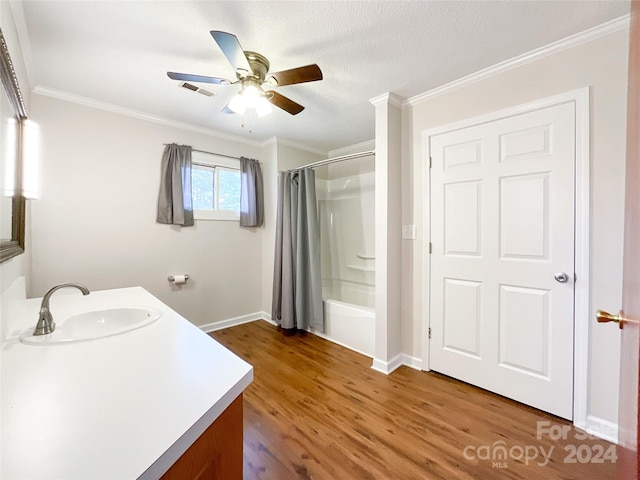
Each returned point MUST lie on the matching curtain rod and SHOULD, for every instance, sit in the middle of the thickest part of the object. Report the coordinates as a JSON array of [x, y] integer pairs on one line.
[[210, 153], [213, 153], [341, 158]]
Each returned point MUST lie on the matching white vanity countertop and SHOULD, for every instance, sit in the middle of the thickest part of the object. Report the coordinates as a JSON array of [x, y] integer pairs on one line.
[[121, 407]]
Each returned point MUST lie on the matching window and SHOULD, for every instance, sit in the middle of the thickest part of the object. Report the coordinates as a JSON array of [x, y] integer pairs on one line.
[[215, 185]]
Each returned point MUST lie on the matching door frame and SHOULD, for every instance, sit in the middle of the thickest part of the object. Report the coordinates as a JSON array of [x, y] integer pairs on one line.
[[582, 218]]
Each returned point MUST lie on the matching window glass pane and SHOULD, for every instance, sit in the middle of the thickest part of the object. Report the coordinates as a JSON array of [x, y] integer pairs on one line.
[[202, 188], [229, 189]]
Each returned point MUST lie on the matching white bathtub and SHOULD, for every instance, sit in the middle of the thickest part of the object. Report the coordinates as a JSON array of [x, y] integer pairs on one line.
[[349, 315]]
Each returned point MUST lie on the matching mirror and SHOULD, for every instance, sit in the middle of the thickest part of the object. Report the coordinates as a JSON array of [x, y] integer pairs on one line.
[[12, 203]]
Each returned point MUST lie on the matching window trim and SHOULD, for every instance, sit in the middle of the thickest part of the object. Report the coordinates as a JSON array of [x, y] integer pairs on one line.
[[211, 160]]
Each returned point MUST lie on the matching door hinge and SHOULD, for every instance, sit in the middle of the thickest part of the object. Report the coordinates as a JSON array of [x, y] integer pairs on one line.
[[575, 277], [429, 333], [430, 162], [430, 248]]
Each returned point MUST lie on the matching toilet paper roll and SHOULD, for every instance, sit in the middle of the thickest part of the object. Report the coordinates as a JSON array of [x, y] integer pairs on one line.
[[179, 279]]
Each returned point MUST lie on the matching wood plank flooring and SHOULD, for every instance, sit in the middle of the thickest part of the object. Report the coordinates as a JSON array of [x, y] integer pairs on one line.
[[316, 410]]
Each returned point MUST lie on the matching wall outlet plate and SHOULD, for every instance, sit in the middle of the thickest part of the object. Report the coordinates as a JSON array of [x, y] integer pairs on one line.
[[408, 232]]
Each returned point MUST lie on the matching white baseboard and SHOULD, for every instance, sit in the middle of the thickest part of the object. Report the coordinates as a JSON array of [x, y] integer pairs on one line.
[[395, 362], [599, 427], [267, 318], [231, 322], [387, 367], [378, 365], [412, 362]]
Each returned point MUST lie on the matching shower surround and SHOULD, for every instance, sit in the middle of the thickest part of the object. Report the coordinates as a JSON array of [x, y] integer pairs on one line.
[[346, 198]]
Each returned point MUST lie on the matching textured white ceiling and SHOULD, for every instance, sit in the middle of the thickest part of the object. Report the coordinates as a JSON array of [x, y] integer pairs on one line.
[[119, 52]]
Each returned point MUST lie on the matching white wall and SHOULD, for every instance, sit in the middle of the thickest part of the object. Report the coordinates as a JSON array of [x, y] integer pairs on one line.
[[95, 220], [388, 243], [602, 65]]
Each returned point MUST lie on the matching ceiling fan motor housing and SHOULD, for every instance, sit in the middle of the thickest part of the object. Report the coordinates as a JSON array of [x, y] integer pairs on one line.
[[259, 65]]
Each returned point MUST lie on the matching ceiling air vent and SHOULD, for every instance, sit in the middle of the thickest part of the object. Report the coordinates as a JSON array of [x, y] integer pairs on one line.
[[193, 88]]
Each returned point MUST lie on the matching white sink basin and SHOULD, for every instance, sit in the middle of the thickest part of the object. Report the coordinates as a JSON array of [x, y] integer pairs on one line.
[[94, 325]]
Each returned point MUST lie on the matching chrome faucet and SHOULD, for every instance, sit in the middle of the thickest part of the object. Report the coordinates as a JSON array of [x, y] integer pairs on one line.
[[45, 320]]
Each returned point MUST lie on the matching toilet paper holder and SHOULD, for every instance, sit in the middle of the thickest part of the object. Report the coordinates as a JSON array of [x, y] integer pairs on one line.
[[172, 279]]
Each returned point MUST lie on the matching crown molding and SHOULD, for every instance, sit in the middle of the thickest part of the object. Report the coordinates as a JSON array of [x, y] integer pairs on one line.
[[575, 40], [389, 98], [292, 144], [357, 147], [375, 101], [109, 107], [269, 141]]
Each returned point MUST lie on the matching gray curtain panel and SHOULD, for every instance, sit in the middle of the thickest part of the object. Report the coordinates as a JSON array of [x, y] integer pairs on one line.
[[174, 200], [282, 306], [251, 193], [308, 274], [297, 285]]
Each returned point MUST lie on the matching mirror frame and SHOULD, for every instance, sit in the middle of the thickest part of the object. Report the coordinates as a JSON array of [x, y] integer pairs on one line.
[[15, 246]]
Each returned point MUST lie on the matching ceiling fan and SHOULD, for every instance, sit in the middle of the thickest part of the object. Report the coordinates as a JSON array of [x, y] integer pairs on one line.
[[257, 83]]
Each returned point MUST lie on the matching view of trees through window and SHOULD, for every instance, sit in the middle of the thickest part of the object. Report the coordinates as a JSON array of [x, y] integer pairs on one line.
[[203, 183], [228, 189]]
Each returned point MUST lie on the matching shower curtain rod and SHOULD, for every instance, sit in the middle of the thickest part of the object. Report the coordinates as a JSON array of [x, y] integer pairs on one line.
[[341, 158]]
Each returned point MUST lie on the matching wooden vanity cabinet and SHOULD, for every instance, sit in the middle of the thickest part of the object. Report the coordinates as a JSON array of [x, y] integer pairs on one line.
[[217, 453]]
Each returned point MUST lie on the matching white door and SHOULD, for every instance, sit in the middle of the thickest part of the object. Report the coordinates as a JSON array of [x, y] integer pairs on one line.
[[502, 263]]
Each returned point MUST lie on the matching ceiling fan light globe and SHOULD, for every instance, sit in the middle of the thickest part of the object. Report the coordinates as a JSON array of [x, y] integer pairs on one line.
[[263, 107], [237, 104], [252, 96]]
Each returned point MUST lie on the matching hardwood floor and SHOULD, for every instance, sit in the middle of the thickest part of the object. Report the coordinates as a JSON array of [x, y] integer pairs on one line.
[[316, 410]]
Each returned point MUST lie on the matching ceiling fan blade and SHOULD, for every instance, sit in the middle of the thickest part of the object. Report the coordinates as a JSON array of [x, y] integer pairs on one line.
[[308, 73], [284, 103], [231, 48], [197, 78]]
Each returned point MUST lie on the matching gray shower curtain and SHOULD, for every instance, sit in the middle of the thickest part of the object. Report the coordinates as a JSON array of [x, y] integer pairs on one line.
[[297, 278]]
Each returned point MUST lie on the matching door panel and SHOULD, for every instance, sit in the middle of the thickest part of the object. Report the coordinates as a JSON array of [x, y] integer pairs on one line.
[[531, 142], [524, 216], [502, 224], [524, 330], [462, 218], [462, 316]]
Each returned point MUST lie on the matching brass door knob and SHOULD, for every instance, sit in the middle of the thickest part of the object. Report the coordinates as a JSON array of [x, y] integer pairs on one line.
[[604, 317]]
